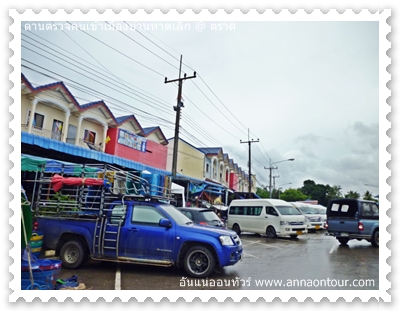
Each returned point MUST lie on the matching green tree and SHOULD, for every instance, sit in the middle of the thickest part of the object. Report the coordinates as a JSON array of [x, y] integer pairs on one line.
[[352, 195], [315, 191], [368, 196], [262, 193], [292, 195], [334, 192]]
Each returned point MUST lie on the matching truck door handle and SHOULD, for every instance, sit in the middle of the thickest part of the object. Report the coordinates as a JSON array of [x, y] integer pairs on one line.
[[134, 229], [342, 222], [266, 216]]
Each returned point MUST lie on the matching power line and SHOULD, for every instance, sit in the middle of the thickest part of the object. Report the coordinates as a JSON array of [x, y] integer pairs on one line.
[[155, 98], [196, 85], [96, 92]]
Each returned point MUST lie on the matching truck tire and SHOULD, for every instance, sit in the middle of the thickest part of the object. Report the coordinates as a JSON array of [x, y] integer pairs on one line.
[[236, 228], [199, 262], [343, 241], [73, 254], [270, 232], [375, 238]]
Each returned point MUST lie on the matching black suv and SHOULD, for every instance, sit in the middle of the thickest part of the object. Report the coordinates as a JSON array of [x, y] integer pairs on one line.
[[202, 216]]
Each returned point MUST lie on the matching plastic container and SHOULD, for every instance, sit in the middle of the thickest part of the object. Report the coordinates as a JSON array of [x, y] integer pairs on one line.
[[42, 277], [36, 244], [26, 284], [37, 236], [36, 251], [39, 265]]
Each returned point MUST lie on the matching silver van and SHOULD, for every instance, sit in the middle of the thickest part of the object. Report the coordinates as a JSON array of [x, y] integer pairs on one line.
[[271, 217]]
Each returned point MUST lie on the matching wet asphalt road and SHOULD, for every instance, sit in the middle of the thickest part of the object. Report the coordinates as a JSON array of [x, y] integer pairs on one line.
[[313, 261]]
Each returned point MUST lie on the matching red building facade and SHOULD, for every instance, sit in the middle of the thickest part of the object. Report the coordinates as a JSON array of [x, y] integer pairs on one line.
[[136, 148]]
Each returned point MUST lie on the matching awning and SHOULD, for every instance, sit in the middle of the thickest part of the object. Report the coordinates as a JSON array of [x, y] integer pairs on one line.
[[206, 186], [32, 164], [36, 164], [220, 207], [51, 144]]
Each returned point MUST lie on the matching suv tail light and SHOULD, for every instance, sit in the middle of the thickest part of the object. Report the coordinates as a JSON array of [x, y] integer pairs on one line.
[[360, 226], [203, 223]]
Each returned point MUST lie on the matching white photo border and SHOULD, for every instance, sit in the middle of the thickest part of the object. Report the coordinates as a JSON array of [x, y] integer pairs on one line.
[[380, 16]]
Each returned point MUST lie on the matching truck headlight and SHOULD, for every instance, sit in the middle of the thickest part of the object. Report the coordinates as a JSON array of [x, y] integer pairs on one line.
[[226, 240], [284, 223]]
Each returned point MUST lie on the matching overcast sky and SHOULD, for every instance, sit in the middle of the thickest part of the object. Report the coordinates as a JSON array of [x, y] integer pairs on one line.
[[306, 90]]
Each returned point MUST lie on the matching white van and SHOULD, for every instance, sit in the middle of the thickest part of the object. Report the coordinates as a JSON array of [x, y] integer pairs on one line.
[[266, 216], [313, 216], [179, 193]]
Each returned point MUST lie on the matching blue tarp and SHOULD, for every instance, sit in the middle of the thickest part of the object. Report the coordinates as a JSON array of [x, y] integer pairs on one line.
[[209, 187], [36, 164]]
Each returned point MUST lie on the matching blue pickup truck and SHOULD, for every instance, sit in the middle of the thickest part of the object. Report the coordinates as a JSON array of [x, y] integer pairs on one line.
[[349, 219], [109, 221]]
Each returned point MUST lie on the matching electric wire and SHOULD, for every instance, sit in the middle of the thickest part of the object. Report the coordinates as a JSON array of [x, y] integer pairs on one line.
[[164, 75]]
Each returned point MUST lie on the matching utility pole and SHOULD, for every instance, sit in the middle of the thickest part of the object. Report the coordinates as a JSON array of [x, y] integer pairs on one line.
[[270, 173], [249, 142], [276, 176], [177, 108], [270, 178]]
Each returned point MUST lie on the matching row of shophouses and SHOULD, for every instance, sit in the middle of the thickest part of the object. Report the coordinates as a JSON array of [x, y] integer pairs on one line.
[[54, 125]]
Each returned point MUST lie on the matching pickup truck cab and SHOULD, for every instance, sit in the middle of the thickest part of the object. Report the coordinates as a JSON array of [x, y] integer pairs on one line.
[[349, 219]]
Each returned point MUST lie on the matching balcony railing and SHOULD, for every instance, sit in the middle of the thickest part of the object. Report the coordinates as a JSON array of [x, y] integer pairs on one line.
[[44, 133], [97, 147], [59, 137]]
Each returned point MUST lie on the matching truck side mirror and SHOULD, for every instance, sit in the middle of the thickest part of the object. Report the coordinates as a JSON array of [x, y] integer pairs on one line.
[[164, 222]]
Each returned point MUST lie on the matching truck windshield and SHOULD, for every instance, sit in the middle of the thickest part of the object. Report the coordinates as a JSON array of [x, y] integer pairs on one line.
[[308, 210], [176, 215], [288, 210]]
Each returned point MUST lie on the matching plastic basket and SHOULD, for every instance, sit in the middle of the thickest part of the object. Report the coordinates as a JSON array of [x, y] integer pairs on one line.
[[41, 277], [26, 284], [40, 265]]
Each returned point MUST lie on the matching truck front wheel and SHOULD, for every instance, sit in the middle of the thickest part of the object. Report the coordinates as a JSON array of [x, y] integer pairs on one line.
[[199, 262], [375, 238], [73, 255]]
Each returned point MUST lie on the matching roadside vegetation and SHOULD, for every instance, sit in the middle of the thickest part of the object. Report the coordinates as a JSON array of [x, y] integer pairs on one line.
[[313, 191]]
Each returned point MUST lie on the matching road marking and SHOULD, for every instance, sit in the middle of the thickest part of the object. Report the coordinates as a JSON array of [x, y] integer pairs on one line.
[[118, 278], [251, 255], [332, 249], [252, 242], [258, 242]]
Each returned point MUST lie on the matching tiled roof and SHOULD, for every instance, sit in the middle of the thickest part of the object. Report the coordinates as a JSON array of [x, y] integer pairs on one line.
[[148, 130], [210, 150], [50, 86]]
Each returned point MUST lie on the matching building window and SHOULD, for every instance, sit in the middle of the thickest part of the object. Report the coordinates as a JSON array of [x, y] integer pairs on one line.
[[38, 120], [207, 168], [57, 129], [90, 137], [72, 129]]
